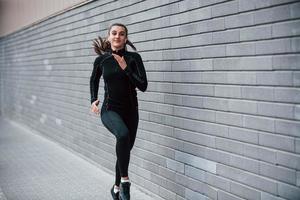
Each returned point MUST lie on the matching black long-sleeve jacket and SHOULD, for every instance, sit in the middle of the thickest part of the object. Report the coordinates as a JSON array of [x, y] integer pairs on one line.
[[119, 85]]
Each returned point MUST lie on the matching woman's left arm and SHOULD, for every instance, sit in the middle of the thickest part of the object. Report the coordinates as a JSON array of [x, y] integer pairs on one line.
[[138, 75]]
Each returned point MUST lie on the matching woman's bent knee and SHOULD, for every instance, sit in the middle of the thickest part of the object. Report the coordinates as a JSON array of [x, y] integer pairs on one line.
[[123, 135]]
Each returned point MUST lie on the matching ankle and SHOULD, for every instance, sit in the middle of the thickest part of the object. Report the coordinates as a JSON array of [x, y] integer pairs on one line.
[[125, 179]]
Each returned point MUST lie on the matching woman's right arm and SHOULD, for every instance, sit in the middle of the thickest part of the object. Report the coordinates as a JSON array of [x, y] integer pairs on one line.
[[95, 78]]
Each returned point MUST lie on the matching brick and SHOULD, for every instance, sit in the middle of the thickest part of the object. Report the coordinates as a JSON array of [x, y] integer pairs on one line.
[[157, 55], [229, 118], [217, 156], [227, 196], [169, 9], [255, 33], [203, 64], [246, 5], [210, 192], [259, 123], [157, 66], [241, 78], [192, 65], [224, 9], [212, 51], [175, 54], [215, 103], [286, 62], [275, 110], [214, 77], [256, 4], [193, 77], [192, 101], [198, 27], [166, 173], [277, 141], [266, 196], [296, 78], [164, 151], [190, 194], [286, 127], [202, 26], [195, 89], [161, 44], [272, 14], [166, 194], [161, 33], [287, 95], [240, 20], [295, 43], [195, 173], [273, 46], [190, 183], [284, 29], [198, 162], [194, 149], [278, 173], [193, 40], [258, 93], [216, 24], [229, 145], [227, 91], [240, 49], [188, 5], [298, 179], [288, 191], [179, 197], [243, 135], [244, 163], [217, 181], [198, 138], [166, 109], [243, 63], [260, 153], [297, 144], [226, 36], [294, 10], [244, 191], [187, 53], [242, 106], [176, 166], [288, 160], [175, 187], [275, 78], [256, 181], [195, 15]]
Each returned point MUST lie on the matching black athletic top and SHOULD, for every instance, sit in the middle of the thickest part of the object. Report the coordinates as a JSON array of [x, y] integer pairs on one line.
[[119, 84]]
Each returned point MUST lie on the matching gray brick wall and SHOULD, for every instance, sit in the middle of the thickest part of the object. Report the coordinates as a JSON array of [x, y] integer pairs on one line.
[[220, 119]]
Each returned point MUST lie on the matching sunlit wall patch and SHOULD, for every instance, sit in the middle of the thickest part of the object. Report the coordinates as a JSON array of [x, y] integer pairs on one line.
[[33, 99], [43, 118], [58, 121]]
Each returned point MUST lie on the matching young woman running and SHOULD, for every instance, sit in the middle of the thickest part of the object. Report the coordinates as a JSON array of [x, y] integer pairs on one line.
[[123, 72]]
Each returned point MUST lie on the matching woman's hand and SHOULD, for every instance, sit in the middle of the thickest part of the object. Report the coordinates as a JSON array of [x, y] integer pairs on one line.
[[94, 107], [120, 60]]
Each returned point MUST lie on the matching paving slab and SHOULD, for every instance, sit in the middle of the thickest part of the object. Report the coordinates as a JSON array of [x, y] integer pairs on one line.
[[33, 167]]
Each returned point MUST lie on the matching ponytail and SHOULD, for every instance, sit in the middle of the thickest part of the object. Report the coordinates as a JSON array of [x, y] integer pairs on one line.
[[130, 44], [101, 46]]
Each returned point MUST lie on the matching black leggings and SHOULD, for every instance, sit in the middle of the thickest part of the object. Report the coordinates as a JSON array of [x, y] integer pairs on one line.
[[123, 125]]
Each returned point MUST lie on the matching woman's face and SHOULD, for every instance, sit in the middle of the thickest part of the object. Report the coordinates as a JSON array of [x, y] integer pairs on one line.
[[117, 37]]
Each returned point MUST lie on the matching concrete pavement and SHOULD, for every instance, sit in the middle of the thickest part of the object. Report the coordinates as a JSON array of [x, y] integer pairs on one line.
[[34, 168]]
